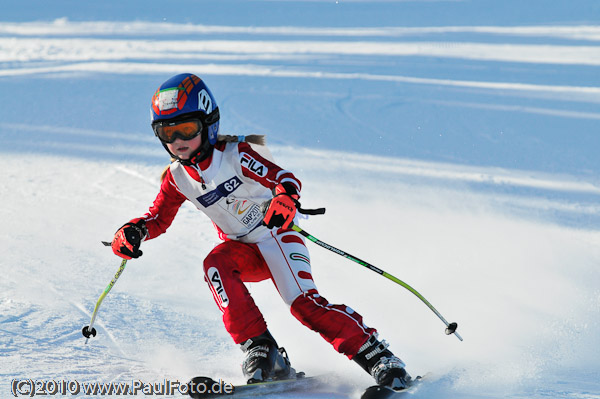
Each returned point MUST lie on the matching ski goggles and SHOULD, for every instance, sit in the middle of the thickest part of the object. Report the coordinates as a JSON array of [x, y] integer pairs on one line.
[[168, 132]]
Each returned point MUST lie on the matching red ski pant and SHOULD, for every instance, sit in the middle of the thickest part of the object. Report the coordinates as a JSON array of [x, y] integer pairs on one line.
[[284, 259]]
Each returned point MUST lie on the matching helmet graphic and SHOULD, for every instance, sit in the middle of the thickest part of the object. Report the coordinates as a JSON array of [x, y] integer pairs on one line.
[[185, 96]]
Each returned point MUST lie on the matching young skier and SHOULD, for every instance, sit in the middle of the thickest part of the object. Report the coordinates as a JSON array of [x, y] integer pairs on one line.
[[252, 203]]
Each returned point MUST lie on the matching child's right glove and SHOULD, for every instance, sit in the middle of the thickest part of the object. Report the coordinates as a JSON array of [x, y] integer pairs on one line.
[[281, 209], [128, 238]]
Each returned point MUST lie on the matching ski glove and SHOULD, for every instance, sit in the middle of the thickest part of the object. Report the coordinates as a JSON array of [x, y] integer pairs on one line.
[[281, 209], [128, 238]]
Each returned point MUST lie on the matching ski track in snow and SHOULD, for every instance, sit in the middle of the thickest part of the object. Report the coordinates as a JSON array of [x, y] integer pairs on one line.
[[39, 49], [511, 254], [106, 55], [63, 26]]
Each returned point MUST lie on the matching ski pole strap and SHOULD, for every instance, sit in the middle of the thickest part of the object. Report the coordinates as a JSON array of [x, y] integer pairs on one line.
[[318, 211]]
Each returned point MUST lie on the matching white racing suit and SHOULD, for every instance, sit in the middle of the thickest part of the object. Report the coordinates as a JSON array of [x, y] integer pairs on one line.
[[229, 187]]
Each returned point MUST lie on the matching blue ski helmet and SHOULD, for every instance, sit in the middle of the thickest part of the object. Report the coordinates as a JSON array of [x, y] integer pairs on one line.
[[185, 96]]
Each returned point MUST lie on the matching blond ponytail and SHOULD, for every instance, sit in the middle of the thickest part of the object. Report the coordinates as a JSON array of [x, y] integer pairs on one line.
[[164, 172], [252, 139]]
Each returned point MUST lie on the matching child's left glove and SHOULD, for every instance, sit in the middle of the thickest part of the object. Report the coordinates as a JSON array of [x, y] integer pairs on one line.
[[281, 209]]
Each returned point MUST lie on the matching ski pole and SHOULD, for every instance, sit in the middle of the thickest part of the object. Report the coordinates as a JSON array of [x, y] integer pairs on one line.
[[90, 331], [450, 327]]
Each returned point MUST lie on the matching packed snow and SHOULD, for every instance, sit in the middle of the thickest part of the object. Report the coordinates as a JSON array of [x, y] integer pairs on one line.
[[453, 143]]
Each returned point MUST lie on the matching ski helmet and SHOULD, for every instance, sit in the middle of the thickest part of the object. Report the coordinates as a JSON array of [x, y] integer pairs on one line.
[[185, 96]]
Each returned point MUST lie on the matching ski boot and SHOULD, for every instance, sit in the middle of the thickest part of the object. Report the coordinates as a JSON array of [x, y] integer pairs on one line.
[[380, 362], [265, 360]]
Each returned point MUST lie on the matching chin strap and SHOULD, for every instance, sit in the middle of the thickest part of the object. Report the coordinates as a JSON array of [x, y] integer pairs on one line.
[[205, 151]]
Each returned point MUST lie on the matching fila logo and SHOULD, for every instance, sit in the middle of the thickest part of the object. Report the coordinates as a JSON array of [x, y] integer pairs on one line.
[[204, 101], [217, 285], [253, 165]]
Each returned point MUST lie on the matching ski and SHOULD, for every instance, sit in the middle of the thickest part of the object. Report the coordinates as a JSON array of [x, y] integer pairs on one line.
[[206, 387], [383, 392]]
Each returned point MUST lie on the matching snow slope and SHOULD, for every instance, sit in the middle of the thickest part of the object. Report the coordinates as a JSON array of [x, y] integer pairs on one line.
[[453, 143]]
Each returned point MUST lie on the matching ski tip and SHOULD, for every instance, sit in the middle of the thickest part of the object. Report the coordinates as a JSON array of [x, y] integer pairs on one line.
[[106, 243], [201, 380], [203, 387], [378, 392]]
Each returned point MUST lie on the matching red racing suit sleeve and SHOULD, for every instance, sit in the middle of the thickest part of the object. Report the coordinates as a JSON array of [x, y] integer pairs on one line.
[[263, 171], [162, 212]]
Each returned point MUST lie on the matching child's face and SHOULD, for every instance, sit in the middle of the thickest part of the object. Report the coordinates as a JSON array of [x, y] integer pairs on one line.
[[185, 148]]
